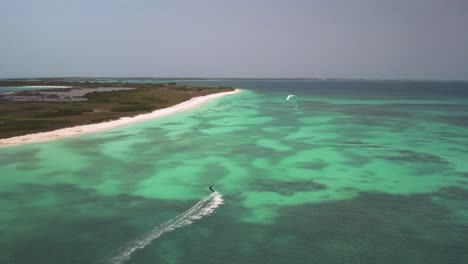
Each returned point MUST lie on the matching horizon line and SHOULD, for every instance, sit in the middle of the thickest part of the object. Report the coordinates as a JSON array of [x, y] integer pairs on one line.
[[232, 78]]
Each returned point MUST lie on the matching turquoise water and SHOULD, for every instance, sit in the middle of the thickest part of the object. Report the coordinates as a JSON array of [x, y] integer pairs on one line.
[[363, 172]]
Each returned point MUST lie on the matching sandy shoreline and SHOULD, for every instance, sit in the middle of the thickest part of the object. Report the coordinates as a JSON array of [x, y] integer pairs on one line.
[[93, 128], [46, 86]]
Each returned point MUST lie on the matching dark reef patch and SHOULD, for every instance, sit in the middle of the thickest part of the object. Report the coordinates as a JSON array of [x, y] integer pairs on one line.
[[415, 157], [455, 120], [287, 188], [313, 165], [213, 173], [421, 163], [377, 111], [24, 159], [358, 144], [354, 160], [453, 193]]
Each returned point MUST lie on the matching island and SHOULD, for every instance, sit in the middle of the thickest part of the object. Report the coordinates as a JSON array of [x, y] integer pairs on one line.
[[57, 109]]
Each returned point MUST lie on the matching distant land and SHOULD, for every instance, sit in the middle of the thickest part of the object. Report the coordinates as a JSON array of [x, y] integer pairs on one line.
[[60, 103], [104, 78]]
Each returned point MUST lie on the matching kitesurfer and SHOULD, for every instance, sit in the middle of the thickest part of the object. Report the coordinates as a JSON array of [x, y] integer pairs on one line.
[[296, 101], [211, 188]]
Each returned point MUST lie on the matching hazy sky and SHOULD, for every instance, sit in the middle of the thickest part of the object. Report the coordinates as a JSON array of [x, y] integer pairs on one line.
[[418, 39]]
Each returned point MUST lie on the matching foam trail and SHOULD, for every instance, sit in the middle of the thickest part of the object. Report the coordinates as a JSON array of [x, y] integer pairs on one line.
[[204, 207]]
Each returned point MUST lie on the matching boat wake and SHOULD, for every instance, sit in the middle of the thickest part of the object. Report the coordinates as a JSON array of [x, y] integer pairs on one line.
[[204, 207]]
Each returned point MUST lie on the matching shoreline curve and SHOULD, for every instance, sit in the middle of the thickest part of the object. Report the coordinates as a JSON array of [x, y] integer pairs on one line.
[[68, 132]]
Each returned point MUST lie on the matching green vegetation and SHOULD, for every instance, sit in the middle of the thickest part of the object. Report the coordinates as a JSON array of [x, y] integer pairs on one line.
[[132, 108], [64, 112], [19, 118], [125, 96], [15, 127]]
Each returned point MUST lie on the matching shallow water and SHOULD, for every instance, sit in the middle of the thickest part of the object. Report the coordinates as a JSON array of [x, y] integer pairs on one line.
[[363, 172], [10, 89]]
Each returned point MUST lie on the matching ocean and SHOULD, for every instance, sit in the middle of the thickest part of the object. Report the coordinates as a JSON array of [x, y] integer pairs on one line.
[[358, 172]]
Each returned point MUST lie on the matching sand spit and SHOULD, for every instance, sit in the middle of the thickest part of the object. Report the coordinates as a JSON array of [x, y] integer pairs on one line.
[[45, 86], [93, 128]]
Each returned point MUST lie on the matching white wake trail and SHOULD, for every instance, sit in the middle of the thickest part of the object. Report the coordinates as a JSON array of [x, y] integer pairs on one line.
[[204, 207]]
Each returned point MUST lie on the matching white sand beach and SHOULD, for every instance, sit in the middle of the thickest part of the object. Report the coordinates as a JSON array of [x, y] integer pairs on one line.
[[93, 128], [45, 86]]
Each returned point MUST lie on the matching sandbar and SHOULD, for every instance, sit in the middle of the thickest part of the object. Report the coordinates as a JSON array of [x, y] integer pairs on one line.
[[46, 86], [98, 127]]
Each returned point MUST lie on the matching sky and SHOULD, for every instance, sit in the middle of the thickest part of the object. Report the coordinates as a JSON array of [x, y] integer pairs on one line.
[[371, 39]]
